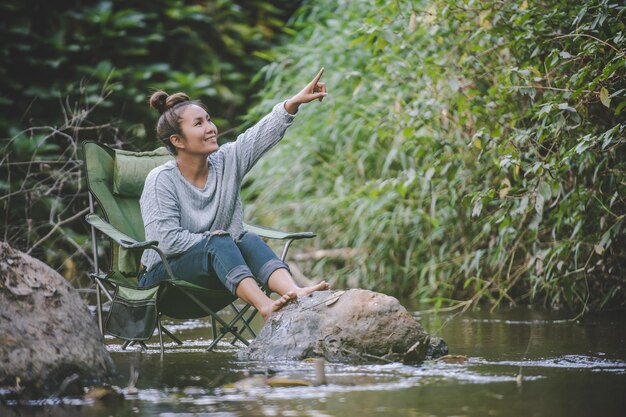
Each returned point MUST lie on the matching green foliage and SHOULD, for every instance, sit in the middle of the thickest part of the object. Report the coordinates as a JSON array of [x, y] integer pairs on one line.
[[71, 49], [467, 149], [83, 69]]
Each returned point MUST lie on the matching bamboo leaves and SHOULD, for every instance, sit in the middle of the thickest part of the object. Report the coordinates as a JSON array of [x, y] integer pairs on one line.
[[477, 150]]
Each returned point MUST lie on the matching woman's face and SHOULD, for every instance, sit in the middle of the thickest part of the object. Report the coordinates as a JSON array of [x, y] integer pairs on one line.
[[199, 133]]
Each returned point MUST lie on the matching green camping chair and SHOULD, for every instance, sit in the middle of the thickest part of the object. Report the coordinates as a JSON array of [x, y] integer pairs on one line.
[[115, 181]]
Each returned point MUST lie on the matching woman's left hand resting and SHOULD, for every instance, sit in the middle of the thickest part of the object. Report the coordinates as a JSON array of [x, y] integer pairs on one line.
[[313, 90]]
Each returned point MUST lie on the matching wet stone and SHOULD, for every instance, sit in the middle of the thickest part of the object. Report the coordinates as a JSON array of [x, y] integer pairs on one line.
[[48, 340], [344, 326]]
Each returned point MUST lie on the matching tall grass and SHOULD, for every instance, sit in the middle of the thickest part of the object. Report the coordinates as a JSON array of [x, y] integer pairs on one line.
[[468, 151]]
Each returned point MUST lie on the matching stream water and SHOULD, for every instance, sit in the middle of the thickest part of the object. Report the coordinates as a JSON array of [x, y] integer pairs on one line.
[[568, 368]]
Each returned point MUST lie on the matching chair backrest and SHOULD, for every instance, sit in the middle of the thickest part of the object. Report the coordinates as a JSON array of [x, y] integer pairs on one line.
[[115, 179]]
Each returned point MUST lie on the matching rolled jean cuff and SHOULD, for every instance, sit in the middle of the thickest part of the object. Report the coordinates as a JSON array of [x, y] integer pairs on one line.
[[268, 268], [235, 276]]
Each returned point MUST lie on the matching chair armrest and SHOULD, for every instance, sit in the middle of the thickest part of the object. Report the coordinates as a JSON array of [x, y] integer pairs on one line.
[[277, 234], [120, 238], [126, 241]]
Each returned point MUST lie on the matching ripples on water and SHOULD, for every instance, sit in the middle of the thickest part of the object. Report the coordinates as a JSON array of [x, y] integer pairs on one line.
[[568, 368]]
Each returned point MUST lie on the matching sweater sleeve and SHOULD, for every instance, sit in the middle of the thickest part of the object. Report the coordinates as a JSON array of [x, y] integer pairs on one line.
[[251, 145], [160, 210]]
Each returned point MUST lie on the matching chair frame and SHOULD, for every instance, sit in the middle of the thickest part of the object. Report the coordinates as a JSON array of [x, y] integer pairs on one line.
[[101, 279]]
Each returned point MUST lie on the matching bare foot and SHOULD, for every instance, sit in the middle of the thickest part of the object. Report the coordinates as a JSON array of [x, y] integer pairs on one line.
[[275, 305], [308, 290]]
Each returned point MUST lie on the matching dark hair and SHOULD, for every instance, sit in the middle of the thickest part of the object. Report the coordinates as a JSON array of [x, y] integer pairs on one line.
[[169, 107]]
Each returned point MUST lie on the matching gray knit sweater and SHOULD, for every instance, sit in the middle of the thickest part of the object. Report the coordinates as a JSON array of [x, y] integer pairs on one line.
[[177, 214]]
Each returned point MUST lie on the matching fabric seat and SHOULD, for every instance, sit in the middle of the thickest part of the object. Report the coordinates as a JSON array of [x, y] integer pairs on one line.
[[115, 181]]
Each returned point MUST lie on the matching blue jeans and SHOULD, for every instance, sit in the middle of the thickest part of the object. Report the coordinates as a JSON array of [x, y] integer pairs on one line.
[[218, 261]]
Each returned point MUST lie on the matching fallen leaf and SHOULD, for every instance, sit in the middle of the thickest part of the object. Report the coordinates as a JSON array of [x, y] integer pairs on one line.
[[106, 394], [452, 358], [333, 299], [256, 381], [287, 382]]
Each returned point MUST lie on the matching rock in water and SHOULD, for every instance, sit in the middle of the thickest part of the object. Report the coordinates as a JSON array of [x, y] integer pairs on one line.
[[344, 326], [47, 336]]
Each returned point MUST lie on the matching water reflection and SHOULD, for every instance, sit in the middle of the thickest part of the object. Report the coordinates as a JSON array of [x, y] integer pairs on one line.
[[569, 368]]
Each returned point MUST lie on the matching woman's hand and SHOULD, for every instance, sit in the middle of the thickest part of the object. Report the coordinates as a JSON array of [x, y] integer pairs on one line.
[[313, 90]]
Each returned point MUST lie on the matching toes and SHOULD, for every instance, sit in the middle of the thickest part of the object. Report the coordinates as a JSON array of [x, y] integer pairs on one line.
[[317, 287], [322, 286], [287, 297]]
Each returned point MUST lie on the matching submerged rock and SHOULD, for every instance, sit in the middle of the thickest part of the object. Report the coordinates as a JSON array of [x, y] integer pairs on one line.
[[48, 339], [344, 326]]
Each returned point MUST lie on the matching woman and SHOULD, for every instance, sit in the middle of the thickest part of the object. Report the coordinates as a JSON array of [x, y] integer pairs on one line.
[[192, 207]]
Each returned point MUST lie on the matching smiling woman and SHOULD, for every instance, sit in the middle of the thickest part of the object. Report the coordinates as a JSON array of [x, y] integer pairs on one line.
[[192, 207]]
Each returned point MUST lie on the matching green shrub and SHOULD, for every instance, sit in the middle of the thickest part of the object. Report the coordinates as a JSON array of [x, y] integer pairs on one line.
[[468, 150], [73, 50]]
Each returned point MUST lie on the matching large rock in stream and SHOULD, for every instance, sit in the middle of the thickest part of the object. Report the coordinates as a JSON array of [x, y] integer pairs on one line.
[[47, 336], [344, 326]]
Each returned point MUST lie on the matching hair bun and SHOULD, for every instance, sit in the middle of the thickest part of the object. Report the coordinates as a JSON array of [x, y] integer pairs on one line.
[[158, 101], [161, 101]]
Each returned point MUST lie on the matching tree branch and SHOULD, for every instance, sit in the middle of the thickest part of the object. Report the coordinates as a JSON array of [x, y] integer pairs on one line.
[[57, 226]]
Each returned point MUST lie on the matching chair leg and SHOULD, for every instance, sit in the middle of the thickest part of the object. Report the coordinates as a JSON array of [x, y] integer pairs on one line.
[[215, 341], [249, 319], [171, 336], [231, 328], [99, 309], [96, 268], [134, 342], [228, 327], [241, 316], [245, 321], [160, 335], [100, 290]]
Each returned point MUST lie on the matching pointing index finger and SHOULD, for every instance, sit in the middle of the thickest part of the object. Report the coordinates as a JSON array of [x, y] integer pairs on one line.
[[317, 77]]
